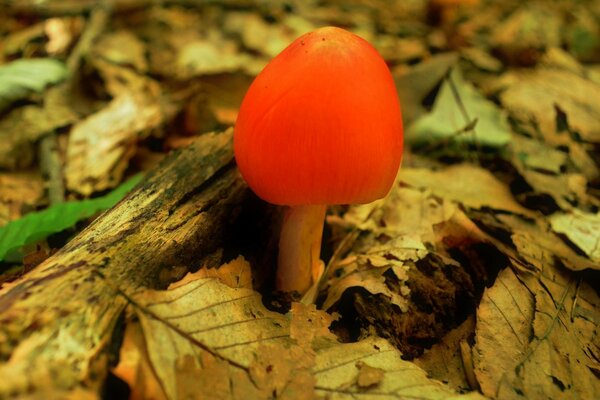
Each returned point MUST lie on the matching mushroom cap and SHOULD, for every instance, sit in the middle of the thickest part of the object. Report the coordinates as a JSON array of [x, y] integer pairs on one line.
[[321, 123]]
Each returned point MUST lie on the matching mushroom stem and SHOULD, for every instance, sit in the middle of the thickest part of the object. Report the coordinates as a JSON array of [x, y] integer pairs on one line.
[[299, 247]]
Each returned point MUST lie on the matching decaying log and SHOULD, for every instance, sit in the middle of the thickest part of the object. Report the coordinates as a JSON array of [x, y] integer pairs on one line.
[[57, 322]]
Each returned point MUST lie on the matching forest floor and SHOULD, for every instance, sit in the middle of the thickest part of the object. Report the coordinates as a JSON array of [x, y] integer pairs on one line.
[[135, 263]]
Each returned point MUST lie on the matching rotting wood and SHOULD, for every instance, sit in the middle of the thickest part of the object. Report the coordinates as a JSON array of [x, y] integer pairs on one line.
[[56, 323]]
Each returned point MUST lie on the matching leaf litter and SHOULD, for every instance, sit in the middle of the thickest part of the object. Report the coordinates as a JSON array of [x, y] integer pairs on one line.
[[481, 264], [204, 328]]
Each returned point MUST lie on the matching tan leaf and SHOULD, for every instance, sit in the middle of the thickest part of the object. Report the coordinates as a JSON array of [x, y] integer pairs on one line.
[[122, 47], [583, 229], [504, 326], [210, 56], [536, 337], [204, 333], [19, 191], [21, 127], [101, 145], [308, 323], [574, 94], [368, 376], [468, 184], [444, 361], [284, 372], [235, 274], [337, 375], [134, 366], [538, 245]]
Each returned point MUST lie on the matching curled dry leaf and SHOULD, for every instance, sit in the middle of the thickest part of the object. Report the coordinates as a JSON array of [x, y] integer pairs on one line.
[[401, 268], [101, 145]]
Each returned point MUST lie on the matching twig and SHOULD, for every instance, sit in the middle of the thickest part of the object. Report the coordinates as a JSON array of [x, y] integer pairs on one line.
[[51, 166]]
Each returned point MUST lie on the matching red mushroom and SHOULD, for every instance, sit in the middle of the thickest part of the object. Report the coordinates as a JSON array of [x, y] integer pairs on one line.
[[321, 124]]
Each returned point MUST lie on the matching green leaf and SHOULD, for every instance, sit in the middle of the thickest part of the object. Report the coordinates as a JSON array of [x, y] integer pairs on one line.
[[19, 78], [486, 125], [39, 225]]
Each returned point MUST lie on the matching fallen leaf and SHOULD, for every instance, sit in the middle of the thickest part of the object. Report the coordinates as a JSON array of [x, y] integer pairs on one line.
[[134, 366], [269, 39], [535, 337], [235, 274], [122, 47], [526, 32], [504, 326], [444, 360], [22, 127], [101, 145], [582, 229], [467, 184], [461, 114], [204, 56], [20, 78], [573, 94], [541, 248], [415, 83], [368, 376], [206, 330], [19, 191], [337, 375]]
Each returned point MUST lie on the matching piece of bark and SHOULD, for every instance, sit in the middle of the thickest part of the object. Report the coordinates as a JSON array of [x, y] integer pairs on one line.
[[57, 323]]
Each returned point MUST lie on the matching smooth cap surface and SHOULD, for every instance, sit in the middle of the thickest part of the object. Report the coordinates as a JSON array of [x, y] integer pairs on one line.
[[321, 124]]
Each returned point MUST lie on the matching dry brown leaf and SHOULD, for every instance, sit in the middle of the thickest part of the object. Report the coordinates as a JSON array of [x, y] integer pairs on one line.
[[309, 323], [534, 96], [101, 145], [269, 39], [205, 329], [540, 247], [444, 360], [370, 272], [504, 326], [20, 128], [337, 374], [467, 184], [536, 337], [211, 55], [122, 47], [284, 372], [19, 191], [134, 366], [368, 376], [583, 229], [235, 274]]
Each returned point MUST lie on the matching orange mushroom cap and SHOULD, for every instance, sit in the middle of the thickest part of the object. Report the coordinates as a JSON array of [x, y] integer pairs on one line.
[[321, 124]]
